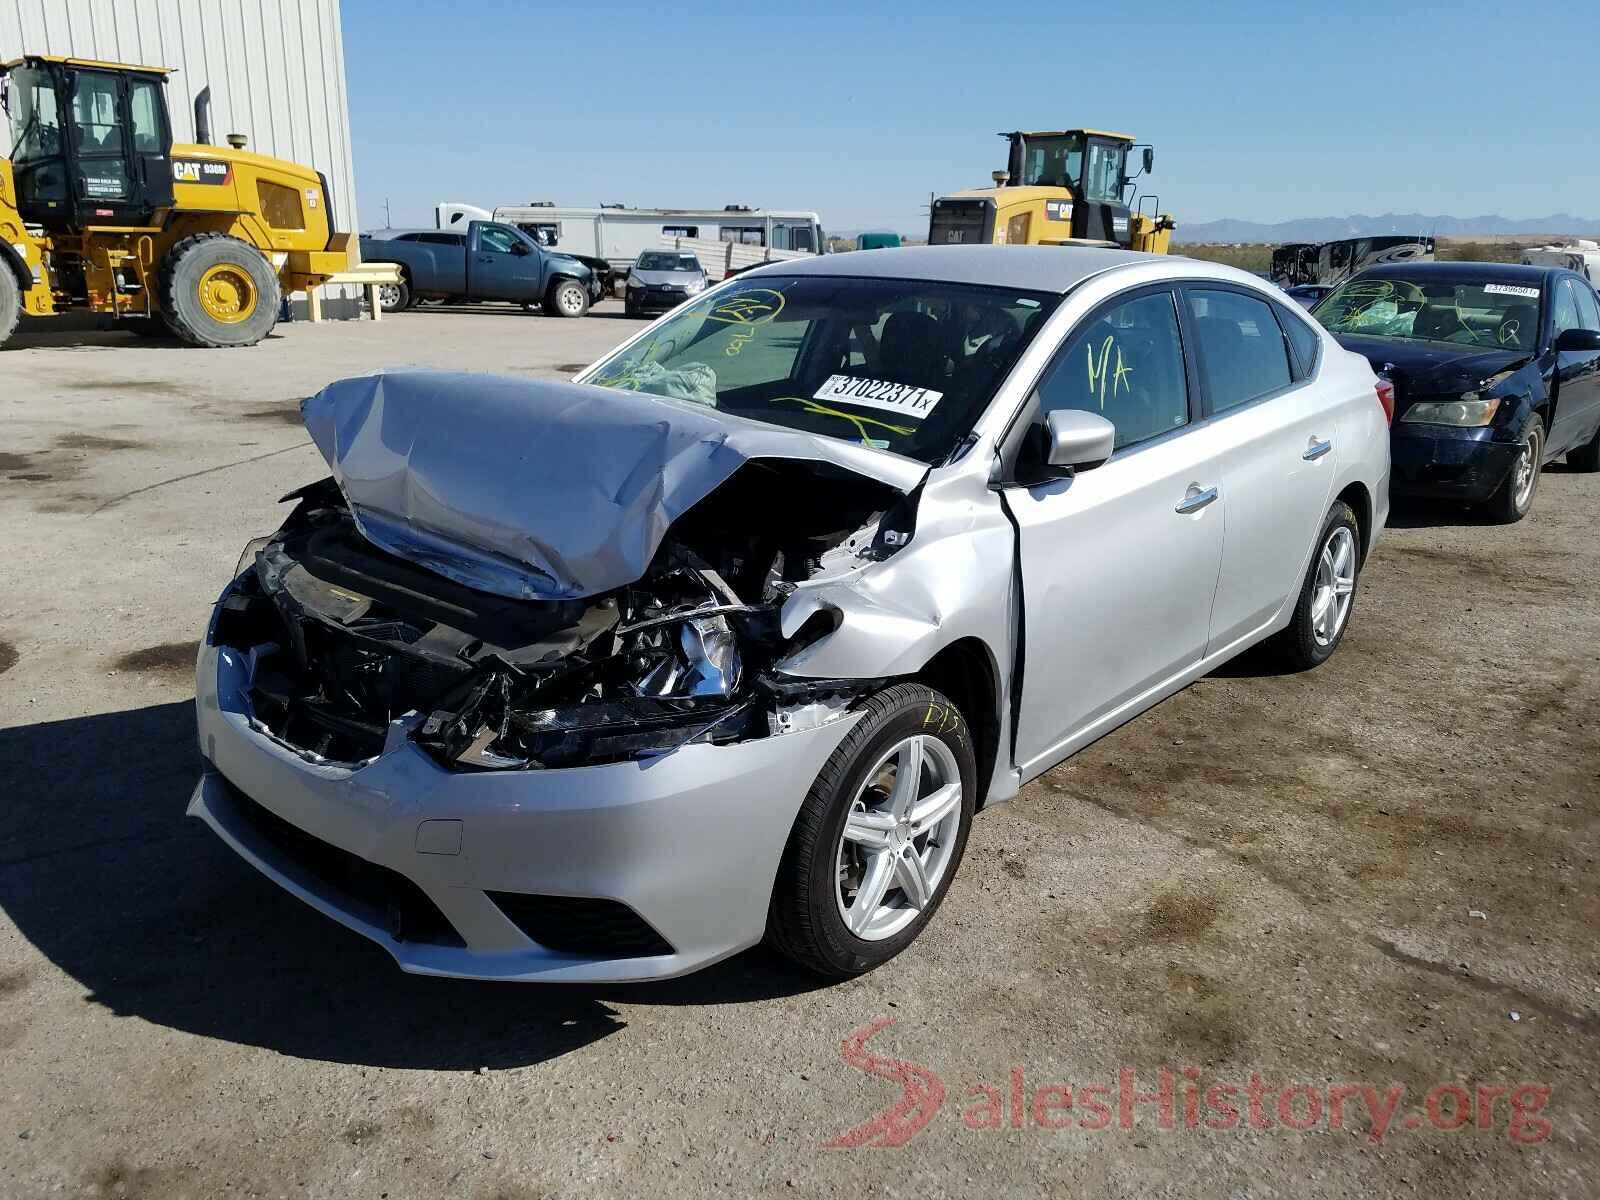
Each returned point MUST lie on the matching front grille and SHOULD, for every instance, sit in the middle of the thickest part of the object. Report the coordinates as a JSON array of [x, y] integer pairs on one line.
[[380, 896], [582, 925], [961, 223]]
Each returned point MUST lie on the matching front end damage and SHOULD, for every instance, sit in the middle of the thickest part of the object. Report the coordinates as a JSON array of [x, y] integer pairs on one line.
[[349, 641], [503, 699]]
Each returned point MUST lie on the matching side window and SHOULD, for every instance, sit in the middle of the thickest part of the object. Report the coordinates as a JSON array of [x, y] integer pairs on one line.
[[1566, 315], [1238, 347], [1588, 309], [1303, 340], [496, 238], [144, 106], [1126, 365]]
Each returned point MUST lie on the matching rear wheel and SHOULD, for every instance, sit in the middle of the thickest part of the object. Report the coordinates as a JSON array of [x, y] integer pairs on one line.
[[567, 298], [879, 837], [394, 297], [218, 291], [10, 303], [1327, 595], [1587, 456], [1514, 497]]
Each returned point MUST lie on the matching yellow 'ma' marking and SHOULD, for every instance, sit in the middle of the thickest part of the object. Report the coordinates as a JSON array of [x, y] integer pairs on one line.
[[1102, 373]]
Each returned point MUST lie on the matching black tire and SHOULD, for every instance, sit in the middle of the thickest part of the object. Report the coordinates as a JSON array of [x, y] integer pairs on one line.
[[1587, 456], [567, 298], [1302, 645], [1511, 502], [10, 302], [147, 327], [182, 270], [804, 920], [395, 297]]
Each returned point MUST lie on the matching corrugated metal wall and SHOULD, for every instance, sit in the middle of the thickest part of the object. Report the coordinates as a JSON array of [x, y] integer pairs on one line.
[[275, 68]]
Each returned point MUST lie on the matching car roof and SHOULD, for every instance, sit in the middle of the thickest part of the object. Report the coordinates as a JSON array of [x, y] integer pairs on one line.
[[1028, 268], [1444, 272]]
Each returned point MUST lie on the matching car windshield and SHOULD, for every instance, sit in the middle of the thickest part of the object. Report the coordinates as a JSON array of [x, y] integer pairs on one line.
[[1480, 313], [652, 260], [901, 365]]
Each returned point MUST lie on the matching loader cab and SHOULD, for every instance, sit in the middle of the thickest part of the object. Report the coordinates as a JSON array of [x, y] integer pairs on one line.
[[1091, 165], [90, 143]]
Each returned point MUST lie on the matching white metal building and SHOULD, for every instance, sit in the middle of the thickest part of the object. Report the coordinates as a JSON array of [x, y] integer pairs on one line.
[[275, 69]]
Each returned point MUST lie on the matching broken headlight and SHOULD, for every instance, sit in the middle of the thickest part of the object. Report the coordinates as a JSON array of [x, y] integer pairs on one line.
[[695, 657]]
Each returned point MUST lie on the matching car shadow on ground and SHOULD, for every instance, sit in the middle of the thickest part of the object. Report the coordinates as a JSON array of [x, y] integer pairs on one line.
[[1430, 514], [101, 871]]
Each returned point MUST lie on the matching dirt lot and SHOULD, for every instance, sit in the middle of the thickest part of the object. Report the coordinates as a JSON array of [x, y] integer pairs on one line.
[[1267, 875]]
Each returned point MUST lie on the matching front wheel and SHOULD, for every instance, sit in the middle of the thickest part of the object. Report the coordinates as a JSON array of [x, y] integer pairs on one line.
[[1514, 497], [567, 298], [879, 837], [218, 291], [1322, 610]]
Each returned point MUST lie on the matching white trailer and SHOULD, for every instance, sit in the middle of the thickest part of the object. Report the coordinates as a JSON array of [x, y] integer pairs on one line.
[[620, 235], [1582, 256]]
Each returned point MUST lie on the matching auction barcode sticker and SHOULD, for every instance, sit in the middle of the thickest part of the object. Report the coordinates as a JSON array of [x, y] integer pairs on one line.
[[1511, 289], [902, 398]]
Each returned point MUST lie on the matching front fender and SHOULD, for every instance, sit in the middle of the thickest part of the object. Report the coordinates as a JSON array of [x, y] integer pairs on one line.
[[954, 582]]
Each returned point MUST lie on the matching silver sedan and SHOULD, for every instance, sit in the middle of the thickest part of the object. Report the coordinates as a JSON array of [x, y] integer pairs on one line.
[[731, 637]]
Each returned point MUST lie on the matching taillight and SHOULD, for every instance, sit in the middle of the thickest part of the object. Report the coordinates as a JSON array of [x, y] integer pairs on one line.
[[1385, 390]]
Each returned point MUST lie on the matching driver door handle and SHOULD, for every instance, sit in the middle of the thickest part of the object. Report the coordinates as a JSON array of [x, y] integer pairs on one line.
[[1195, 499], [1316, 449]]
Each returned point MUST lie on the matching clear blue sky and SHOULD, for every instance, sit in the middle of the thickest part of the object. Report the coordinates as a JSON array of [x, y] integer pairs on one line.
[[1258, 110]]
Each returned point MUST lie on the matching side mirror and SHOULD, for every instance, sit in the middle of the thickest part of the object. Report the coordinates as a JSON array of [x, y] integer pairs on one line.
[[1149, 159], [521, 249], [1076, 441], [1580, 340]]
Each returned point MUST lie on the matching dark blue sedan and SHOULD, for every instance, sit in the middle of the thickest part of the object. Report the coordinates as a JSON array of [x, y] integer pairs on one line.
[[1496, 372]]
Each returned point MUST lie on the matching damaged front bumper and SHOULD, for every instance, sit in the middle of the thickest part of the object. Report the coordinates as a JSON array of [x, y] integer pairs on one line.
[[632, 870]]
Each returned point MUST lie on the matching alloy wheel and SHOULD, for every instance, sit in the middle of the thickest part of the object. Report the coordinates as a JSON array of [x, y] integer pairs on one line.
[[899, 837], [1334, 589], [1526, 470]]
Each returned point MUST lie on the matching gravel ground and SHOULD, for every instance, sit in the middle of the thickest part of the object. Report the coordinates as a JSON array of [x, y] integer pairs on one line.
[[1278, 876]]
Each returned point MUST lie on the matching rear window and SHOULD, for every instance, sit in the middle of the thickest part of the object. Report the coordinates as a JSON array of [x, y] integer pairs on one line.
[[1241, 350]]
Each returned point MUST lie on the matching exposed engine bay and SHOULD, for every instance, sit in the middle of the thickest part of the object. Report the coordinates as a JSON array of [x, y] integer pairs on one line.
[[349, 640]]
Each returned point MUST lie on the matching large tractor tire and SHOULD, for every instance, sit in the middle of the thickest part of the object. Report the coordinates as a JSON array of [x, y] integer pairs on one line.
[[218, 291], [10, 302]]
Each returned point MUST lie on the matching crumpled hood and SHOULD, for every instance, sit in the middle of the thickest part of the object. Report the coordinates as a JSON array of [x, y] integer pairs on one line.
[[1432, 368], [541, 490]]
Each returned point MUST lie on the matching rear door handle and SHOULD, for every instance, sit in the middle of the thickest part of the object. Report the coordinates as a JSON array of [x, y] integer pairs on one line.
[[1196, 498], [1316, 450]]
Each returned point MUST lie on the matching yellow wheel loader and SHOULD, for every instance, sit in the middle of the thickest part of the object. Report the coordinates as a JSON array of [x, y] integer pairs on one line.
[[101, 211], [1060, 188]]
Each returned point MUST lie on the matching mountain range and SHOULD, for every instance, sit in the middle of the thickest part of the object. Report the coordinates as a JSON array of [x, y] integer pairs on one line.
[[1328, 229]]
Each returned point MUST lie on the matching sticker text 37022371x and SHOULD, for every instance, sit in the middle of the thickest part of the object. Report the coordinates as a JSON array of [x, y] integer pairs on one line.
[[885, 395]]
